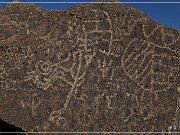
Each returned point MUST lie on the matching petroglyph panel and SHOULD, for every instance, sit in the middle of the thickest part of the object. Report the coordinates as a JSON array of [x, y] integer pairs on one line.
[[90, 68]]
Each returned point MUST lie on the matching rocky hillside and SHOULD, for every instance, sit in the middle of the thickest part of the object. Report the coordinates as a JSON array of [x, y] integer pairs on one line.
[[90, 68]]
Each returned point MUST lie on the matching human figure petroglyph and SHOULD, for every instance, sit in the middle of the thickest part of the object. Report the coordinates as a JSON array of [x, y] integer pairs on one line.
[[78, 76], [33, 103], [87, 57], [104, 67]]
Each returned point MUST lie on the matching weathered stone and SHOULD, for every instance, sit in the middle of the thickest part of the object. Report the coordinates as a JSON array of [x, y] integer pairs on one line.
[[90, 68]]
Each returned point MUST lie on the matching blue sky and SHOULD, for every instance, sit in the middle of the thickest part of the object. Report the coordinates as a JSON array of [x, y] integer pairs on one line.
[[167, 14]]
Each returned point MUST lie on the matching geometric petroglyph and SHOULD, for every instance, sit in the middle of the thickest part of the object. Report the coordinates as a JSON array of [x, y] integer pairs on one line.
[[137, 61], [98, 30], [43, 75], [147, 63]]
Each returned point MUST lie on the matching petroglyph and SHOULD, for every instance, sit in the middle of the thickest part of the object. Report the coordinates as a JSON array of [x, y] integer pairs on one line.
[[104, 67], [77, 74], [33, 103], [91, 68]]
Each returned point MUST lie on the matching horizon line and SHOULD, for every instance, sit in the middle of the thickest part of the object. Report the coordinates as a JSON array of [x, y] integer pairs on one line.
[[93, 132], [53, 2]]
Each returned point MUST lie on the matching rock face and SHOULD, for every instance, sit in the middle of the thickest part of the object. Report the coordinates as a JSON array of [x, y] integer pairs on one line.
[[90, 68]]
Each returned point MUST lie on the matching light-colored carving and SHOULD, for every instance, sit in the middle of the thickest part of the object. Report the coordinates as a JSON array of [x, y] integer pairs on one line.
[[104, 67], [33, 103], [77, 75], [46, 70], [140, 63], [13, 25], [97, 21]]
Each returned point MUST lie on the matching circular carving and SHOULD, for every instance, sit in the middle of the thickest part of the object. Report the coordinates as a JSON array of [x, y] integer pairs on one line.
[[44, 67]]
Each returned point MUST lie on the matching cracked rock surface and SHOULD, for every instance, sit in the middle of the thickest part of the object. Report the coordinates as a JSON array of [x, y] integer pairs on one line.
[[89, 68]]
